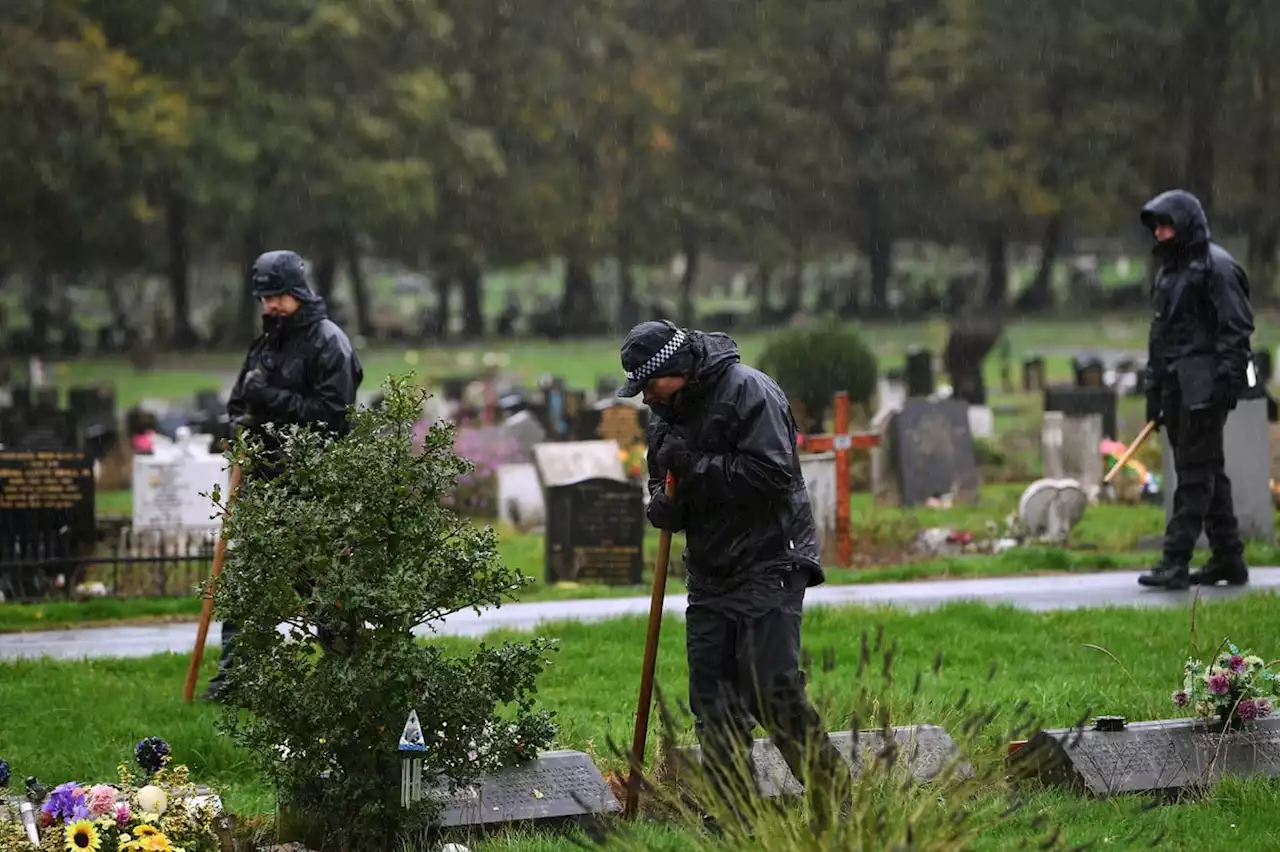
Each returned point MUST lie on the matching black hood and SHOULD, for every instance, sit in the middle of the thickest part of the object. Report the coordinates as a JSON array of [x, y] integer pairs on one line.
[[713, 353], [1183, 211]]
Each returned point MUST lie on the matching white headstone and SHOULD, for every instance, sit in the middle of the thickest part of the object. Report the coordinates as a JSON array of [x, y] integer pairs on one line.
[[819, 471], [520, 501], [567, 462], [1051, 444], [167, 485], [1050, 508], [1082, 450], [982, 423]]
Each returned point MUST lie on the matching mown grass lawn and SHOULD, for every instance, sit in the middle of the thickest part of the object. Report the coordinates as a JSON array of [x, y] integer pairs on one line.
[[77, 720]]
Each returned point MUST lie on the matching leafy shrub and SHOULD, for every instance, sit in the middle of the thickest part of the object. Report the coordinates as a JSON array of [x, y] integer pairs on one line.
[[813, 362], [351, 540]]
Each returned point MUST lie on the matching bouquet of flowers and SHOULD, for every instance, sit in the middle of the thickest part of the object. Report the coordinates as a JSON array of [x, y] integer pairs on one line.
[[165, 814], [1235, 687], [635, 461]]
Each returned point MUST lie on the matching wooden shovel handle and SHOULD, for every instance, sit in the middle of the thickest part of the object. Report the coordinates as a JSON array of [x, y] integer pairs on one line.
[[1130, 452]]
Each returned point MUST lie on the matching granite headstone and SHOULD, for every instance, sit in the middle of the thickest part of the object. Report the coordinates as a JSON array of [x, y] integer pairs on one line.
[[1075, 402], [930, 453]]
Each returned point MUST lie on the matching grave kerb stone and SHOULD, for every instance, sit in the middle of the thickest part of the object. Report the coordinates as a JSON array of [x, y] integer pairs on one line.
[[554, 786]]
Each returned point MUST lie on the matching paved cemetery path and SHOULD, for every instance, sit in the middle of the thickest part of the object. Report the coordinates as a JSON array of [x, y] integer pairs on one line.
[[1074, 591]]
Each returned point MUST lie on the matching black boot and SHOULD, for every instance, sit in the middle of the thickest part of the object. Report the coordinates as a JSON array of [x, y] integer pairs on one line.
[[1222, 569], [1168, 574]]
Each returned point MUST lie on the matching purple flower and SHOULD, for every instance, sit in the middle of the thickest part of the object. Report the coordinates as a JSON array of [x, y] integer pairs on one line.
[[1246, 709], [1180, 698], [1263, 706], [123, 815], [1237, 663], [65, 801], [1218, 684]]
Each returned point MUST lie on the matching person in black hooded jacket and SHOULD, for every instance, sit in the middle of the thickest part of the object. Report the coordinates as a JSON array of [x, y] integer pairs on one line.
[[726, 433], [1197, 366], [301, 371]]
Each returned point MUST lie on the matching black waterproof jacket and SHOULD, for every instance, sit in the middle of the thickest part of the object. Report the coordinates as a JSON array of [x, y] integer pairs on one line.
[[312, 372], [1201, 317], [744, 502]]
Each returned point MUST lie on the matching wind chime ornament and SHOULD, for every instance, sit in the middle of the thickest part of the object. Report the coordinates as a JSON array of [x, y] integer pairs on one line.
[[412, 748]]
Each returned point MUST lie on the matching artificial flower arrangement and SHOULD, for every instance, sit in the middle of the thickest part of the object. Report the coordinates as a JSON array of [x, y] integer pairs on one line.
[[635, 461], [166, 814], [1237, 687]]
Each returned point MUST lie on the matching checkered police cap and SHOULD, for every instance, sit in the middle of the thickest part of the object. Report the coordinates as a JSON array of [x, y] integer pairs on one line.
[[648, 348]]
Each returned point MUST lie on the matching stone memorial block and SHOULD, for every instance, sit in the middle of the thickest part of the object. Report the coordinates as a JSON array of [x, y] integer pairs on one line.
[[1050, 508], [1051, 445], [595, 532], [168, 486], [1166, 757], [556, 785], [1075, 402], [46, 506], [819, 470], [1090, 371], [919, 372], [1246, 440], [526, 431], [1033, 374], [520, 501], [982, 422], [930, 453], [1082, 450], [573, 461], [928, 751], [613, 420], [42, 429]]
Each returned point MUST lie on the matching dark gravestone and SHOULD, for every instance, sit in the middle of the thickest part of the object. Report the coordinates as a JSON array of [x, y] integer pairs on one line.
[[42, 429], [919, 372], [967, 347], [595, 533], [46, 510], [931, 451], [927, 751], [1076, 402], [557, 785], [1150, 757], [21, 397], [1033, 374], [1090, 371], [616, 421]]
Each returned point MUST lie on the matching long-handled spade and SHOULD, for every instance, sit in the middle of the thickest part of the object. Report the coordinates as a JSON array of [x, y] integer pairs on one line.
[[206, 610], [1108, 490], [650, 662]]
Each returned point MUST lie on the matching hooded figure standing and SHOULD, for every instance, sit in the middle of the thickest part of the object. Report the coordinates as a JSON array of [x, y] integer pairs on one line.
[[727, 434], [1197, 366], [300, 371]]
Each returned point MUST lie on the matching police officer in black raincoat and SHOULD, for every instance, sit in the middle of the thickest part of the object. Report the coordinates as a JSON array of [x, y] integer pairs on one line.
[[727, 434], [300, 371], [1197, 366]]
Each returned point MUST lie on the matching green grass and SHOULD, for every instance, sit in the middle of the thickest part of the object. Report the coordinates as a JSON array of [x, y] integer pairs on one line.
[[77, 720]]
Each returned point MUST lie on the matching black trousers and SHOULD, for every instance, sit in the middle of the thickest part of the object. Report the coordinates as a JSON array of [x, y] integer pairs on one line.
[[744, 668], [1202, 500]]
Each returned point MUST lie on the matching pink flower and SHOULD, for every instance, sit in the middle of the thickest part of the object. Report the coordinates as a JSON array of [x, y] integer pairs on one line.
[[1180, 698], [1218, 684], [102, 800], [1237, 663], [123, 815], [1246, 709]]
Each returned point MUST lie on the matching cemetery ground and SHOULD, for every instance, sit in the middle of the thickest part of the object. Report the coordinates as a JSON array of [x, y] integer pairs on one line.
[[90, 713]]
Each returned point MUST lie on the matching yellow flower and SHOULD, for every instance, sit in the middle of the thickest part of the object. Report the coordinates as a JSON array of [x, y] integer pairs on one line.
[[147, 830], [82, 835]]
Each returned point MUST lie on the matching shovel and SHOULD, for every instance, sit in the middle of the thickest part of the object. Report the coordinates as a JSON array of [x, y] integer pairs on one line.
[[1108, 490]]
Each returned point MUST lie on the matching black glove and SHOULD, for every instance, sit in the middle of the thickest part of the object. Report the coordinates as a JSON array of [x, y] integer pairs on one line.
[[665, 514], [1155, 406], [675, 455], [1224, 395], [255, 385]]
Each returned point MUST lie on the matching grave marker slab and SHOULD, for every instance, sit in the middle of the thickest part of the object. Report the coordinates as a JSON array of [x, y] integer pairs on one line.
[[520, 501], [1167, 756], [46, 507], [819, 470], [573, 461], [1081, 454], [1076, 402], [613, 420], [167, 487], [928, 750], [930, 452], [919, 372], [556, 785], [595, 532]]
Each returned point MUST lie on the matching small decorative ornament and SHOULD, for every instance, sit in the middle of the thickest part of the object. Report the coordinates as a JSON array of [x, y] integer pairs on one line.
[[152, 754], [152, 799], [411, 750]]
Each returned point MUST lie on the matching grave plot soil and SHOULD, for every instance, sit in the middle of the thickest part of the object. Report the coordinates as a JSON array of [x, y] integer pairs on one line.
[[74, 720]]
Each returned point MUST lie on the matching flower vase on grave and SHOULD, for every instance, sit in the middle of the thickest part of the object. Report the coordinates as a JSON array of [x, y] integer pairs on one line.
[[412, 748]]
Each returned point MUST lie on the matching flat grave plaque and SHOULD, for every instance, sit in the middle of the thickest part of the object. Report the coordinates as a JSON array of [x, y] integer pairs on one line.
[[556, 785]]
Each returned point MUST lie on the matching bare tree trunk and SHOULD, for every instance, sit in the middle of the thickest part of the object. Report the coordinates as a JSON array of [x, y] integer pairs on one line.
[[1209, 46], [795, 293], [183, 335], [1039, 296], [471, 280], [444, 303], [1264, 223], [997, 266], [578, 307], [326, 272], [764, 293], [689, 245], [359, 289]]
